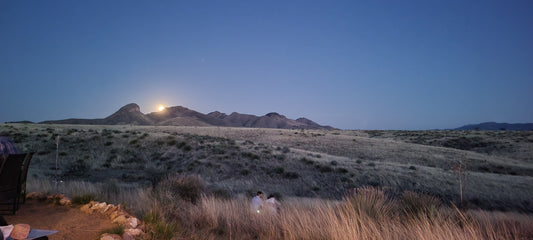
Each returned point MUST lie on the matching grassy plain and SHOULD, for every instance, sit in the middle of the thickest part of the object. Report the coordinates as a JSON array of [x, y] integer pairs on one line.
[[312, 170]]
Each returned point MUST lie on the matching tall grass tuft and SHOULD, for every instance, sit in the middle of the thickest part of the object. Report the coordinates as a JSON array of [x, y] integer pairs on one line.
[[188, 188], [369, 201], [418, 205]]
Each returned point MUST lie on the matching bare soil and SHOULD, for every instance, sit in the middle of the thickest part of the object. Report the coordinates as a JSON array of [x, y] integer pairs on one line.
[[69, 221]]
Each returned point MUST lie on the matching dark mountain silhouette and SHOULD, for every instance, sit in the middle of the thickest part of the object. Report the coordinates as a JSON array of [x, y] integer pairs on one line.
[[182, 116], [129, 114], [498, 126]]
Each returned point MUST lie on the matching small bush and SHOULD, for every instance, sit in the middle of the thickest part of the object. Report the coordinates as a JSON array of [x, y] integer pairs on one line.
[[77, 168], [325, 168], [342, 170], [171, 142], [291, 175], [188, 188], [278, 170], [118, 229], [334, 163], [251, 156], [412, 167], [307, 161], [285, 150]]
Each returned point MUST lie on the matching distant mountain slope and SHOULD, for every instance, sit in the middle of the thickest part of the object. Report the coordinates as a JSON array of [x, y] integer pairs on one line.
[[182, 116], [498, 126]]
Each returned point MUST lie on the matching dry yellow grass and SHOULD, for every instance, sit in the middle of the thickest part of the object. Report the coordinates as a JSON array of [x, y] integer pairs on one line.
[[368, 214], [365, 213]]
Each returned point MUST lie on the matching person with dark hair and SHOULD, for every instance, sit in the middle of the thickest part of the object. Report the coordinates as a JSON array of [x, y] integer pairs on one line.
[[271, 204], [257, 202]]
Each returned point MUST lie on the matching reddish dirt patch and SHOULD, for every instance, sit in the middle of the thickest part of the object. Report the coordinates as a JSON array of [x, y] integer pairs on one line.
[[69, 221]]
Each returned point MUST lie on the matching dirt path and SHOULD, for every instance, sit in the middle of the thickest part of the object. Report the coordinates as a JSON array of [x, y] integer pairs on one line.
[[69, 221]]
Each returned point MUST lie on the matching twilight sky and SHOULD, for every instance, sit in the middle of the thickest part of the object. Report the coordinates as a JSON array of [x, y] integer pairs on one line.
[[348, 64]]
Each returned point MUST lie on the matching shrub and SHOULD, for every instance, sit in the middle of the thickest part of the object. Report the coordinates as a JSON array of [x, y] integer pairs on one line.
[[278, 170], [171, 142], [325, 168], [188, 188], [307, 161], [342, 170], [291, 175], [77, 168], [187, 148], [285, 150], [412, 167], [118, 229], [251, 156]]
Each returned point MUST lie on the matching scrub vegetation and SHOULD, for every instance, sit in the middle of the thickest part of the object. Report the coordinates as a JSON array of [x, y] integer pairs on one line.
[[196, 182]]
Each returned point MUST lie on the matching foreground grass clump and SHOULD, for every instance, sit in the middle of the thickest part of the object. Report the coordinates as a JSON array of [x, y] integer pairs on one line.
[[157, 227], [118, 229]]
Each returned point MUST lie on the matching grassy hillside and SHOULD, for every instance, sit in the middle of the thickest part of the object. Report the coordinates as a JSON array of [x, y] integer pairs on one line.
[[293, 163]]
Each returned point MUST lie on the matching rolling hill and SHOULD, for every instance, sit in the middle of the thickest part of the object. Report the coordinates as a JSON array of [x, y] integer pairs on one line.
[[491, 126]]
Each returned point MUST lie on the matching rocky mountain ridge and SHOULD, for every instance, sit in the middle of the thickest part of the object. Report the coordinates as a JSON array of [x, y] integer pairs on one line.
[[131, 114]]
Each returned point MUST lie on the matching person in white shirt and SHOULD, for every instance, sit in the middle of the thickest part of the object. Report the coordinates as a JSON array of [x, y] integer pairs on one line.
[[272, 205], [257, 202]]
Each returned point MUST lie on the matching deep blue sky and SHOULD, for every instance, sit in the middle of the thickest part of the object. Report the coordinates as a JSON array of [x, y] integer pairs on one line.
[[348, 64]]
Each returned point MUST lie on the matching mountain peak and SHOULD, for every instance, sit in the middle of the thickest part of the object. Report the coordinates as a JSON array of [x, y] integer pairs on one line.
[[131, 107], [274, 115]]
